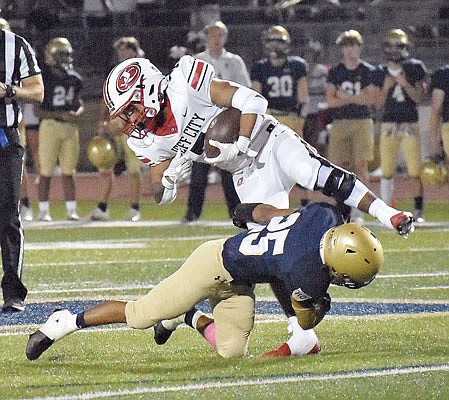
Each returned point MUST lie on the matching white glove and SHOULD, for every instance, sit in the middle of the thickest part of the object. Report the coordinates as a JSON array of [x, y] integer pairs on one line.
[[229, 151], [179, 169]]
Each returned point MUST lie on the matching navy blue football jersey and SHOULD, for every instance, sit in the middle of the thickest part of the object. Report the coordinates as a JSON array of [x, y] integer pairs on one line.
[[440, 80], [62, 89], [399, 106], [285, 252], [352, 82], [280, 84]]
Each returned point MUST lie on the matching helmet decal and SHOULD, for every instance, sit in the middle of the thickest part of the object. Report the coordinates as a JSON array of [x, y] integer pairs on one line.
[[128, 77]]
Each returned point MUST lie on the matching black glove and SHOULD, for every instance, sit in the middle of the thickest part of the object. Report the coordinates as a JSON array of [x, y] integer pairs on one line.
[[243, 214]]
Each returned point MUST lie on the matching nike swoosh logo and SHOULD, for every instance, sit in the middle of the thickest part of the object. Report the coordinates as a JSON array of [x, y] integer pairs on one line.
[[185, 113]]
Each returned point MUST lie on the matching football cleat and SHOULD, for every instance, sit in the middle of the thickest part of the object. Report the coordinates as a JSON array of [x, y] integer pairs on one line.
[[59, 324], [26, 213], [99, 215], [132, 215], [404, 223], [284, 351], [44, 216], [161, 334], [419, 216], [72, 216]]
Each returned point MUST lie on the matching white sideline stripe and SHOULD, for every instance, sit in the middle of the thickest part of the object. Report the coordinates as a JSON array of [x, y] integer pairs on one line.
[[97, 263], [90, 289], [111, 244], [253, 382]]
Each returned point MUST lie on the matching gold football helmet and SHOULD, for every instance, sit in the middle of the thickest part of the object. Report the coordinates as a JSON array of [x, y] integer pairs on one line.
[[101, 153], [4, 24], [276, 41], [396, 45], [59, 52], [433, 174], [353, 255], [349, 38]]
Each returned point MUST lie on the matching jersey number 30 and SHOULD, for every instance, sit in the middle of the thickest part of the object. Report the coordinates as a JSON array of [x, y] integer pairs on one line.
[[257, 241]]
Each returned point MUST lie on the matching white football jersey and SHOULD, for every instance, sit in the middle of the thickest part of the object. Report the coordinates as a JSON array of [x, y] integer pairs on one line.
[[191, 109]]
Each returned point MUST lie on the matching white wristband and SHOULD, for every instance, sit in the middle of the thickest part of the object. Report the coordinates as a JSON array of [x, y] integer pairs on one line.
[[243, 144]]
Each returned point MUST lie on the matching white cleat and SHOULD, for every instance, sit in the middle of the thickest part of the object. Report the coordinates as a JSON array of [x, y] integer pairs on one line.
[[58, 325], [99, 215], [44, 216], [26, 213], [72, 216], [132, 215]]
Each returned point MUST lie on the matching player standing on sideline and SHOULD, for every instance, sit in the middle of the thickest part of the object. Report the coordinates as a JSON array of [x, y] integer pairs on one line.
[[166, 118], [401, 86], [126, 47], [227, 66], [439, 117], [20, 81], [225, 271], [58, 130], [282, 80], [348, 94]]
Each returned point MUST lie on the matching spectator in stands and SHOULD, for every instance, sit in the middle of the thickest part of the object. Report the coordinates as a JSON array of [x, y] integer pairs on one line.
[[282, 80], [401, 90], [227, 66], [58, 130], [125, 47], [349, 92]]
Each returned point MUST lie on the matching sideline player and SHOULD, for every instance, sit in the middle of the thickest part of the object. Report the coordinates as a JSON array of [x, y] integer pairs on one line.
[[58, 130], [165, 118], [348, 94], [439, 117], [282, 79], [225, 271], [401, 87]]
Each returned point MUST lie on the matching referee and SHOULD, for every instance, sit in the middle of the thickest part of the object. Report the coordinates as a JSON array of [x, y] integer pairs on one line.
[[20, 79]]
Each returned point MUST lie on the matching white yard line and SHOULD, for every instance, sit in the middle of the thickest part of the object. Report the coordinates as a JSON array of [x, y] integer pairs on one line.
[[357, 374]]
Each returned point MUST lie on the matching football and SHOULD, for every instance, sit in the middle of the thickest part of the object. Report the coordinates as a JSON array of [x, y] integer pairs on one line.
[[225, 128]]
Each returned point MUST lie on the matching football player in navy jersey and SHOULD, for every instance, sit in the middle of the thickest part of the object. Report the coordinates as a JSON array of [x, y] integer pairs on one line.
[[58, 130], [348, 94], [401, 86], [439, 118], [303, 252], [282, 79]]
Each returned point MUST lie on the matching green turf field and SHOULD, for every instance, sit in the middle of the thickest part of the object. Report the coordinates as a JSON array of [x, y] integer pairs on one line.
[[393, 355]]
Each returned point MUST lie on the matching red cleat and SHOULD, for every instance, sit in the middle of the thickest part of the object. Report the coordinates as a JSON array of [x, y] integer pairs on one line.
[[284, 351]]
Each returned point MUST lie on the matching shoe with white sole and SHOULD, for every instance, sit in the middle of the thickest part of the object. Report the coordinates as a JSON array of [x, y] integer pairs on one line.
[[99, 215], [58, 325], [132, 215], [44, 216], [26, 213], [72, 216]]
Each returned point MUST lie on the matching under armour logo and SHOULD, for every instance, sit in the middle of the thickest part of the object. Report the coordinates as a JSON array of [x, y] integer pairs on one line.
[[220, 279]]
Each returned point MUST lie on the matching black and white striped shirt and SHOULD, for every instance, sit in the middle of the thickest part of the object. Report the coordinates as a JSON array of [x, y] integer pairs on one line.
[[17, 62]]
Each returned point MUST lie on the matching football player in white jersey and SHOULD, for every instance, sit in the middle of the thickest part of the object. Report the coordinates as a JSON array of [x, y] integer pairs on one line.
[[166, 117]]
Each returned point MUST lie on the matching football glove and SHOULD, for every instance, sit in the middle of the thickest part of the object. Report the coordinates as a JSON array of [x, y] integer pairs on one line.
[[228, 151], [178, 169], [404, 223]]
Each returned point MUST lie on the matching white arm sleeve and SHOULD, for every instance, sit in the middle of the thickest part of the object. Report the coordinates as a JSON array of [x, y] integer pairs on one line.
[[248, 101]]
